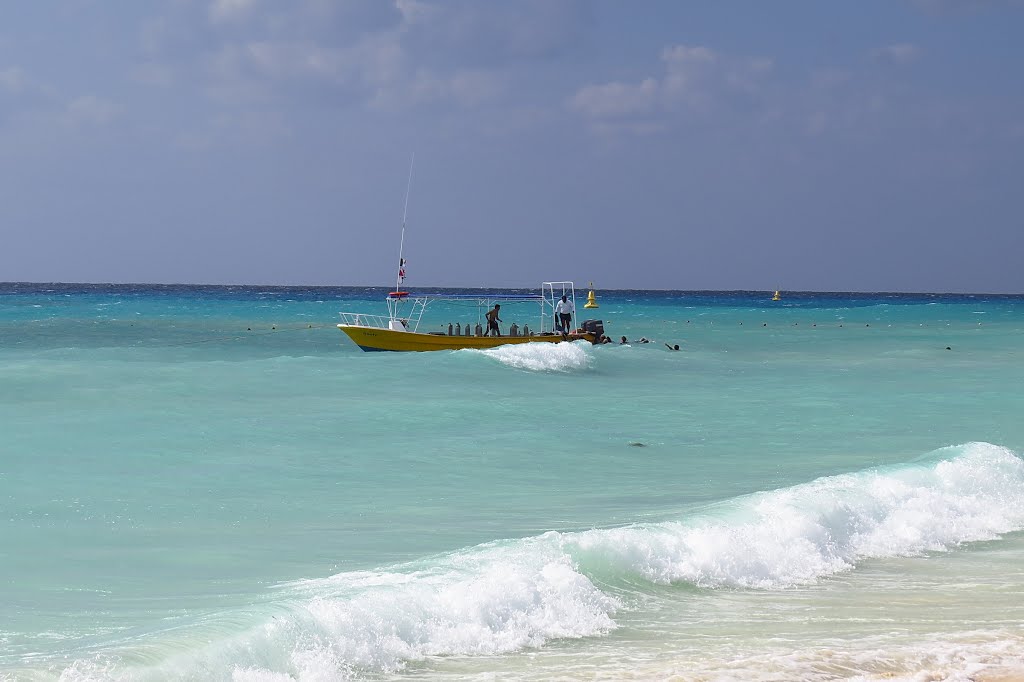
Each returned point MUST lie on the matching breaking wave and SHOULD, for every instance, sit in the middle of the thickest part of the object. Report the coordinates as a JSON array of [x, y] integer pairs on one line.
[[511, 595]]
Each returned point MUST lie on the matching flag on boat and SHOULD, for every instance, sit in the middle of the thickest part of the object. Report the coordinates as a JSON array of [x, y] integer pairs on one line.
[[401, 270]]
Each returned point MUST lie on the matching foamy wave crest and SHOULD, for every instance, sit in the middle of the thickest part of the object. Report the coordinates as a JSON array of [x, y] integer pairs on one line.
[[510, 595], [541, 357], [797, 535], [487, 600]]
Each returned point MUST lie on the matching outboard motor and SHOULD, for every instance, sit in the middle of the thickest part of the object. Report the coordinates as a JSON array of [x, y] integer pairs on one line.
[[595, 327]]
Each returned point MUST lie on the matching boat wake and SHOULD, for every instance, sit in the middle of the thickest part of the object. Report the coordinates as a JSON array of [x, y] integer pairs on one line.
[[541, 357]]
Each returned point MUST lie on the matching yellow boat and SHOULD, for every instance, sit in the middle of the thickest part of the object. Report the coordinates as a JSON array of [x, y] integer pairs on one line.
[[371, 339], [399, 330]]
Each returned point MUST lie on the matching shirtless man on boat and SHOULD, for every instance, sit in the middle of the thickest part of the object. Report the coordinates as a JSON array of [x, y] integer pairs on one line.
[[493, 320]]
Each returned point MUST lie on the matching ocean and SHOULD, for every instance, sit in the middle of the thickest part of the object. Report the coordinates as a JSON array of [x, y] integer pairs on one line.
[[214, 483]]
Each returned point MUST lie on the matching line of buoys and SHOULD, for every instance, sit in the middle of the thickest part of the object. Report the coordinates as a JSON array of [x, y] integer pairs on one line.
[[235, 337], [711, 323]]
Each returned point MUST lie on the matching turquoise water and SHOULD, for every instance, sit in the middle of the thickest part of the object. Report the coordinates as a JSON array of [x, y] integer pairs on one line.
[[214, 483]]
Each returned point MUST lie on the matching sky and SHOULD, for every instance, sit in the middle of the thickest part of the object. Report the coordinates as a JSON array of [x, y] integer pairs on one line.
[[875, 145]]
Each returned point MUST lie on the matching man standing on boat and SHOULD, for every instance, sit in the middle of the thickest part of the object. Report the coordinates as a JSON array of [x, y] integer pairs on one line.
[[493, 320], [564, 310]]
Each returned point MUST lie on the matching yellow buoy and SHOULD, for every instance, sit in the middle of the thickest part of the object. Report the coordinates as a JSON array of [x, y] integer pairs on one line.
[[591, 300], [777, 296]]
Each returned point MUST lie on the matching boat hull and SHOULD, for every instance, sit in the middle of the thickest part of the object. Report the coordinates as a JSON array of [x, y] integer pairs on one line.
[[376, 339]]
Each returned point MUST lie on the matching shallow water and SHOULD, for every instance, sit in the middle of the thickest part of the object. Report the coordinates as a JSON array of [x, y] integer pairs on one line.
[[213, 483]]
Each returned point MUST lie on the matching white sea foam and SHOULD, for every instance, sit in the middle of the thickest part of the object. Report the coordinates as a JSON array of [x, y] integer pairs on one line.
[[799, 534], [511, 595], [958, 657], [488, 600], [541, 357]]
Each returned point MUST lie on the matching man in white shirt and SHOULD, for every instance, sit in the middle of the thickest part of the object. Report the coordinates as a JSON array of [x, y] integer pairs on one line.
[[564, 310]]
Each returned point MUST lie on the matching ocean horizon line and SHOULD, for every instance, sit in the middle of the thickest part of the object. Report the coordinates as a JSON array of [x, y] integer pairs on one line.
[[436, 287]]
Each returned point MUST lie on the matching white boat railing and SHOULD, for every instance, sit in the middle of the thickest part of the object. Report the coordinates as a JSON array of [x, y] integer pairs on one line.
[[551, 293], [364, 320], [406, 312]]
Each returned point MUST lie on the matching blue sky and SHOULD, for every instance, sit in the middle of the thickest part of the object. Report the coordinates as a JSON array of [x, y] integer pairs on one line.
[[868, 146]]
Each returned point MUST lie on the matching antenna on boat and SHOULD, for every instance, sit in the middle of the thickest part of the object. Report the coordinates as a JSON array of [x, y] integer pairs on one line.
[[401, 244]]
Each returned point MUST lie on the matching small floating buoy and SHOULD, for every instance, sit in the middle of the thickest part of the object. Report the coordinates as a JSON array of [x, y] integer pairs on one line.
[[591, 300]]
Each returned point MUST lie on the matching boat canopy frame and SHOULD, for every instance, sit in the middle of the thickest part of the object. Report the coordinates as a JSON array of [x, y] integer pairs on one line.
[[406, 310]]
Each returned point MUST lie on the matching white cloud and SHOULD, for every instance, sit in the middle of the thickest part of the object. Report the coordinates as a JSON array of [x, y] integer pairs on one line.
[[258, 127], [679, 58], [467, 88], [474, 87], [685, 69], [241, 129], [152, 73], [694, 79], [91, 109], [16, 81], [829, 78], [153, 35], [747, 75], [378, 53], [817, 123], [485, 33], [13, 80], [616, 99], [960, 6], [223, 11], [373, 62], [637, 128], [899, 53], [414, 11], [193, 141]]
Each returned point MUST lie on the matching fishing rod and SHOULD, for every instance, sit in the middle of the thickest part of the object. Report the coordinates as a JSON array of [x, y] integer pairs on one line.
[[401, 244]]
